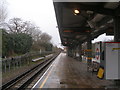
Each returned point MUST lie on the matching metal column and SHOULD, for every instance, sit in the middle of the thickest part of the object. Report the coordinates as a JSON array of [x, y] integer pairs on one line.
[[80, 52], [74, 52], [117, 29], [117, 39], [89, 51]]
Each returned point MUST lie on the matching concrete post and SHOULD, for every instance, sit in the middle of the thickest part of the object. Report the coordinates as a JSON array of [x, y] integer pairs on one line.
[[5, 66]]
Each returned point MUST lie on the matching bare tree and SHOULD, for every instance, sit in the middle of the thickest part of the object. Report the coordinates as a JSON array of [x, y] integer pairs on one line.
[[45, 38], [40, 40], [17, 25]]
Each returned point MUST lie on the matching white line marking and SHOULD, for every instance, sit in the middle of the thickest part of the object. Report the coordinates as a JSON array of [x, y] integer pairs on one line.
[[42, 76]]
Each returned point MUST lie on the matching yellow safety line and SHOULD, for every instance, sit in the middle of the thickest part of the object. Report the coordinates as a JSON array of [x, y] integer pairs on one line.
[[41, 86]]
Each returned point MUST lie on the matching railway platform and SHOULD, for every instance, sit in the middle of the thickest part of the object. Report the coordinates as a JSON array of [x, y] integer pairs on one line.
[[66, 72]]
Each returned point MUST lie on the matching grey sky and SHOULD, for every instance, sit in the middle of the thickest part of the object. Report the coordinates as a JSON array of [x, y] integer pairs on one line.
[[41, 12]]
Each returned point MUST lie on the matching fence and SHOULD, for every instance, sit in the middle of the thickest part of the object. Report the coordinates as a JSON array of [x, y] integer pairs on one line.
[[12, 63]]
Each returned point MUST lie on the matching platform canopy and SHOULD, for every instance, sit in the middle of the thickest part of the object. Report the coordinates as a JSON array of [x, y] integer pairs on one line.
[[78, 21]]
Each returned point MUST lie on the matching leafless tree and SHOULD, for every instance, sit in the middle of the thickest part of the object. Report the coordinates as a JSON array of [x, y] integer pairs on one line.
[[17, 25], [45, 38], [35, 32], [41, 40]]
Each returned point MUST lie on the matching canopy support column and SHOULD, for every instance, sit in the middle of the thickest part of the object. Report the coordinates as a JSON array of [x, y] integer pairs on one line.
[[89, 51], [117, 39]]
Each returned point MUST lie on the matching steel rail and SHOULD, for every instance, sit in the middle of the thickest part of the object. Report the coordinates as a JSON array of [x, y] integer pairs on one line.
[[35, 70]]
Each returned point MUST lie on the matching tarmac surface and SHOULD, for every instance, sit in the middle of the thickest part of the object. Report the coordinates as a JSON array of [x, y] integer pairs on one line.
[[66, 72]]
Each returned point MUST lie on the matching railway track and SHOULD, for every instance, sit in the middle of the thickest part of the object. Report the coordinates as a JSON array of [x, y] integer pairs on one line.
[[23, 80]]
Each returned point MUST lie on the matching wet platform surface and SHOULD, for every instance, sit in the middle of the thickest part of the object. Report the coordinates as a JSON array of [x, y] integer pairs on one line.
[[66, 72]]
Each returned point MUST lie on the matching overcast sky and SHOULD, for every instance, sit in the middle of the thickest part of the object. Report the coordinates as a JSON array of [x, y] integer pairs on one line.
[[40, 12]]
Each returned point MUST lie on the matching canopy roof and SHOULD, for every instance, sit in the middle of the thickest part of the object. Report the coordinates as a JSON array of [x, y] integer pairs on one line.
[[95, 18]]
